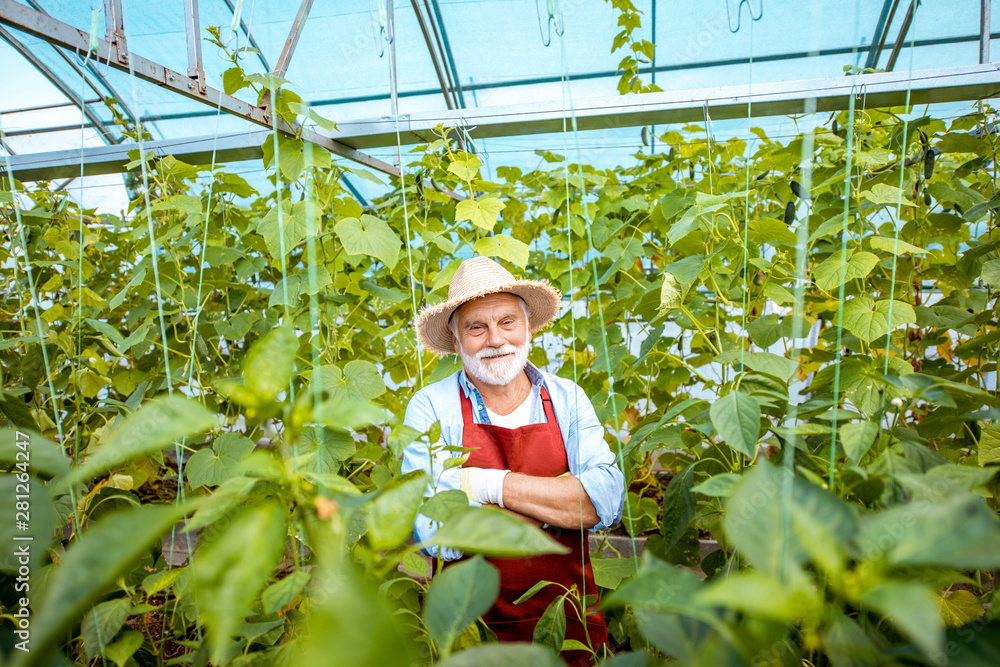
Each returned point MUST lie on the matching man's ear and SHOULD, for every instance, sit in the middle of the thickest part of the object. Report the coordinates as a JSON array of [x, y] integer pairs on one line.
[[454, 341]]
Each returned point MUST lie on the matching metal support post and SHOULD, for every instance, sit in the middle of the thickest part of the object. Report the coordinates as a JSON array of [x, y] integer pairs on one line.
[[60, 34], [901, 38], [192, 26], [984, 32], [293, 38], [114, 19]]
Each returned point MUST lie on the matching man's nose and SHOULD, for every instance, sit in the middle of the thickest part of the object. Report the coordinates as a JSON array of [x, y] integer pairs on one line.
[[496, 339]]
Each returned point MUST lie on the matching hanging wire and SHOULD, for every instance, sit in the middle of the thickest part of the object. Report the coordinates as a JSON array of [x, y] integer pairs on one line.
[[568, 106], [54, 398], [555, 18], [178, 450], [246, 44], [739, 13]]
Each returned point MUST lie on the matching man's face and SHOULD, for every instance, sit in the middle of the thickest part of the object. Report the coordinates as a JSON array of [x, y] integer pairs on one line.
[[493, 338]]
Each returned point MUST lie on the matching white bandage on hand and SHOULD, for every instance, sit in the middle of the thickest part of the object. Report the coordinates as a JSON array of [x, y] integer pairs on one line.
[[483, 485]]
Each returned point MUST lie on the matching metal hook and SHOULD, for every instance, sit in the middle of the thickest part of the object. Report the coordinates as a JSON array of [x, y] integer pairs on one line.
[[551, 9], [246, 44], [739, 13], [107, 65]]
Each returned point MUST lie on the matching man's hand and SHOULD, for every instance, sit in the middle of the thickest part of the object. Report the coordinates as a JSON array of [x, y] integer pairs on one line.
[[558, 501]]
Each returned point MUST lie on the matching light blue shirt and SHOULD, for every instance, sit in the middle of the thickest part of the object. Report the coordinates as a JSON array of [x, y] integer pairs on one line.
[[590, 458]]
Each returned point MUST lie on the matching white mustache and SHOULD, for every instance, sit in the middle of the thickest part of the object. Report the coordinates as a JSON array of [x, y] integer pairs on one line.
[[490, 352]]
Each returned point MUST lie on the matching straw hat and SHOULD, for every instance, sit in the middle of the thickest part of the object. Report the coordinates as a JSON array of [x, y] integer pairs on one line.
[[478, 277]]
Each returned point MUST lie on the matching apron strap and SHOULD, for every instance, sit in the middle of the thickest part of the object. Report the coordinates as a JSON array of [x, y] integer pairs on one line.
[[550, 414]]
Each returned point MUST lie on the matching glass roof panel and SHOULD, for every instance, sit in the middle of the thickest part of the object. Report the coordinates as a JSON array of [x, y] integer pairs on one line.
[[497, 49]]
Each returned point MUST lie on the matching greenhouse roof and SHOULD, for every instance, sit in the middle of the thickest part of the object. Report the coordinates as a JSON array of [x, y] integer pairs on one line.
[[496, 68]]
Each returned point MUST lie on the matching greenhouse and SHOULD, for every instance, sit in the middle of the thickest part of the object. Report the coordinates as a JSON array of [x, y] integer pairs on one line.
[[508, 332]]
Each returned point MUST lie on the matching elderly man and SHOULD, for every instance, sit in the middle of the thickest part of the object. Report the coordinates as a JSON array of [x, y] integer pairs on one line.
[[538, 449]]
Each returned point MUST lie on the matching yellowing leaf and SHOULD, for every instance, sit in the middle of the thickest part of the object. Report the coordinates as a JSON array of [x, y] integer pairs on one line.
[[369, 236], [869, 320], [465, 166], [886, 195], [895, 246], [504, 247], [960, 607], [482, 213], [833, 272]]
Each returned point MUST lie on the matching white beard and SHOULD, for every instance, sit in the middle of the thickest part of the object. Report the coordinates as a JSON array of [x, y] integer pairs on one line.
[[501, 372]]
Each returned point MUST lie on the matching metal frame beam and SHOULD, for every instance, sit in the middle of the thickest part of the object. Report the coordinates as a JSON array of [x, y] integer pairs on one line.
[[293, 38], [192, 28], [901, 38], [56, 32], [881, 28], [984, 31], [769, 99], [94, 120], [445, 89]]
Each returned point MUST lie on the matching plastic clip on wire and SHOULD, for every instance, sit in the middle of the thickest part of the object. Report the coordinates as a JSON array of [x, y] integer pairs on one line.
[[382, 23], [92, 44]]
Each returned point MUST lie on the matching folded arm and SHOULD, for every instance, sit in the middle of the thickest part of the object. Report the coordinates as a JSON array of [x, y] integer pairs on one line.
[[557, 501]]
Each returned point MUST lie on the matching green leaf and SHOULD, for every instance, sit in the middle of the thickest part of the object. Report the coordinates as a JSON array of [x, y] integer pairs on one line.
[[511, 654], [611, 572], [92, 564], [832, 273], [869, 320], [213, 465], [369, 236], [281, 593], [989, 445], [482, 213], [956, 531], [390, 519], [231, 569], [102, 624], [550, 630], [42, 519], [761, 597], [124, 647], [753, 516], [305, 110], [444, 504], [504, 247], [158, 424], [233, 80], [991, 273], [47, 458], [766, 331], [912, 609], [297, 221], [493, 532], [720, 485], [772, 364], [360, 380], [465, 166], [679, 506], [736, 417], [895, 246], [270, 362], [857, 439], [457, 597]]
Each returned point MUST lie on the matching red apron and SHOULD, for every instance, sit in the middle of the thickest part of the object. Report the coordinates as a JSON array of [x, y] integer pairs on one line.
[[537, 450]]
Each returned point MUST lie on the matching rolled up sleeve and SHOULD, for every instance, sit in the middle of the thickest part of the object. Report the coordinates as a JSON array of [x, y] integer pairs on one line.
[[419, 456]]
